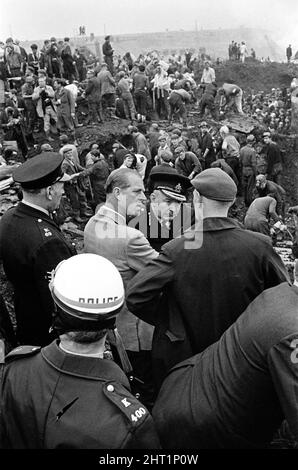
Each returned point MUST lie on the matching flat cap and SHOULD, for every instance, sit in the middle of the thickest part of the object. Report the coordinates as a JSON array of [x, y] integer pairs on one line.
[[170, 182], [46, 148], [179, 149], [40, 171], [215, 184]]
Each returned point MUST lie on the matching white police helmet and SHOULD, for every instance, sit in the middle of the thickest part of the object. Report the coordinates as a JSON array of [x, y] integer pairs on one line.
[[87, 287]]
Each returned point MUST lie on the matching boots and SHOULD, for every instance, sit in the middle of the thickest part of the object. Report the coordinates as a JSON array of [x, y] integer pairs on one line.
[[49, 138], [112, 114], [76, 217]]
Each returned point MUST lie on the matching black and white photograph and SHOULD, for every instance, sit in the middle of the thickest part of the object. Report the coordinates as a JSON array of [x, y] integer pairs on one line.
[[148, 230]]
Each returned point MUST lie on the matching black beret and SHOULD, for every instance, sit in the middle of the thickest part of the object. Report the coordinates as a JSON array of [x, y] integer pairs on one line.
[[40, 171], [170, 182], [215, 184]]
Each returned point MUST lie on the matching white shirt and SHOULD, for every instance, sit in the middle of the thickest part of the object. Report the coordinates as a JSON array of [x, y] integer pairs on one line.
[[208, 76], [73, 90]]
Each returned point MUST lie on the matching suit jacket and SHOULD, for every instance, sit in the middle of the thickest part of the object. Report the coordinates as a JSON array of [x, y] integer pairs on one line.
[[206, 285], [31, 246], [68, 103], [107, 234]]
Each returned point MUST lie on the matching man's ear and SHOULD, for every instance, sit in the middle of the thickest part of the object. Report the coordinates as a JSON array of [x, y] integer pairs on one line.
[[152, 197], [117, 192], [48, 193]]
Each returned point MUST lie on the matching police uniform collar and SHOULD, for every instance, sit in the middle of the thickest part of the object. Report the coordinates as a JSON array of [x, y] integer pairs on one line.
[[34, 212], [83, 366], [35, 206]]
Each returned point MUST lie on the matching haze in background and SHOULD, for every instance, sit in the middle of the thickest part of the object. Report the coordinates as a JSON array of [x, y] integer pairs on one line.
[[40, 19]]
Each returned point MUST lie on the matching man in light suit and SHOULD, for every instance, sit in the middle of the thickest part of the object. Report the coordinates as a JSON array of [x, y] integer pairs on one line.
[[111, 233]]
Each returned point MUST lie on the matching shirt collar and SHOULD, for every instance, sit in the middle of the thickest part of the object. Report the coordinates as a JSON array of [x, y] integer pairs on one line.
[[82, 366], [99, 356], [35, 206]]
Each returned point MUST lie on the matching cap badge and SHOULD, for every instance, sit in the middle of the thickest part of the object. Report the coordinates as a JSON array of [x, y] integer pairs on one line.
[[178, 188]]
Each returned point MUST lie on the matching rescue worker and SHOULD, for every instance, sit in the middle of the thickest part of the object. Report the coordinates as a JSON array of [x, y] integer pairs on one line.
[[108, 52], [69, 392], [167, 215], [207, 277], [206, 146], [75, 189], [230, 150], [177, 101], [31, 245], [259, 213], [233, 95], [248, 163], [236, 393], [274, 159], [265, 187], [187, 163], [208, 75], [207, 100], [92, 93]]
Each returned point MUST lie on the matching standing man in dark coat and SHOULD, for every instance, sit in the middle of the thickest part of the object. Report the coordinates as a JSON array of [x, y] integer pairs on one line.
[[31, 245], [274, 159], [108, 52], [68, 61], [289, 53], [207, 277], [93, 94], [206, 145]]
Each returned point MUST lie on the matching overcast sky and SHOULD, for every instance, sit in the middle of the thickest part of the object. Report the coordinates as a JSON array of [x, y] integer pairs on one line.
[[40, 19]]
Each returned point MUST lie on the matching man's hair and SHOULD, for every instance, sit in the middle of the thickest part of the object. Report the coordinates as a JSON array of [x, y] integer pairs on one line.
[[85, 337], [64, 139], [166, 155], [142, 68], [32, 191], [118, 179]]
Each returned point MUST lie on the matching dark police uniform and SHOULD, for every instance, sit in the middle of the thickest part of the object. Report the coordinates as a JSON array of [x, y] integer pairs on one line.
[[236, 393], [52, 399], [174, 186], [158, 233], [31, 246]]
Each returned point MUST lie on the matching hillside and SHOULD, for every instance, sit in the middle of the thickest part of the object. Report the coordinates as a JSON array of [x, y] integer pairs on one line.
[[215, 42]]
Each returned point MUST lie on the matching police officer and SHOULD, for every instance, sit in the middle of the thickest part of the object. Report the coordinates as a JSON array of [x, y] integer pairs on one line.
[[167, 214], [72, 396], [31, 245]]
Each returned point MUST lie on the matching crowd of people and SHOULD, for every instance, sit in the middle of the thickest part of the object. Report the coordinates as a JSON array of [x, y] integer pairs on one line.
[[176, 326]]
